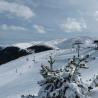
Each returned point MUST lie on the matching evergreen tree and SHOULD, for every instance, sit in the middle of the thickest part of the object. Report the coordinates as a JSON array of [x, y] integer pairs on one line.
[[51, 62], [65, 83]]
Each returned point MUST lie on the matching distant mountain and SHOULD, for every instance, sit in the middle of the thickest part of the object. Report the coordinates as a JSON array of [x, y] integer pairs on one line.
[[0, 48], [87, 41], [15, 51], [51, 43], [39, 48], [10, 53]]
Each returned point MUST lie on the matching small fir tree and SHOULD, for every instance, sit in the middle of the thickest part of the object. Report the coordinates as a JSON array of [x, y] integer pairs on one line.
[[64, 83]]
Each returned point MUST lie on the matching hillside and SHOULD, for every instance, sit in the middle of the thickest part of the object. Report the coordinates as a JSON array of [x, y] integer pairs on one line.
[[20, 76]]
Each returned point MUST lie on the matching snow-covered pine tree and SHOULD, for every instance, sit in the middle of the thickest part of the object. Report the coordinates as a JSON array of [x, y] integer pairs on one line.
[[94, 82], [51, 62], [65, 83]]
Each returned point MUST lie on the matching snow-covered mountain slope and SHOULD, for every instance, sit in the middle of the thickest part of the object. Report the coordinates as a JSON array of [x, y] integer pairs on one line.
[[10, 53], [51, 43], [87, 41], [21, 76], [61, 43], [26, 44], [58, 43]]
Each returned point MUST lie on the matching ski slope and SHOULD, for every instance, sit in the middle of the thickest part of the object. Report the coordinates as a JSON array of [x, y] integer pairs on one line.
[[20, 76]]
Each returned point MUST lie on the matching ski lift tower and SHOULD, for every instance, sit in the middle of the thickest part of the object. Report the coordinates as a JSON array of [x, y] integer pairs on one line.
[[96, 44], [78, 44]]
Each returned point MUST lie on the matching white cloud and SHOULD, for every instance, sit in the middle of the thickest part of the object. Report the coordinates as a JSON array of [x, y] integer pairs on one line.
[[16, 9], [72, 25], [40, 29], [12, 27], [96, 15]]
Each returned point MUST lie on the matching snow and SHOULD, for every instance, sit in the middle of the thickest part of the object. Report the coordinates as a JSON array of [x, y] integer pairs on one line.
[[26, 44], [52, 43], [20, 76], [24, 81], [93, 93], [66, 44]]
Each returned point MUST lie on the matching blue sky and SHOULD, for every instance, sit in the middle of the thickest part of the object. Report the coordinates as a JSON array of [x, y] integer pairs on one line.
[[28, 20]]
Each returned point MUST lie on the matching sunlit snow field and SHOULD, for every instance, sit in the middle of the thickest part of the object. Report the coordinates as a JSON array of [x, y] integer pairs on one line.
[[20, 76]]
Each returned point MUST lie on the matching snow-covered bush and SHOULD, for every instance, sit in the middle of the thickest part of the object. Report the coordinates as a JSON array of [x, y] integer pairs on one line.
[[65, 83], [94, 82]]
